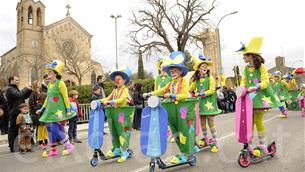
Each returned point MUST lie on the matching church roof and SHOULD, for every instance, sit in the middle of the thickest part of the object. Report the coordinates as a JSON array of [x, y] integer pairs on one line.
[[69, 18], [8, 51]]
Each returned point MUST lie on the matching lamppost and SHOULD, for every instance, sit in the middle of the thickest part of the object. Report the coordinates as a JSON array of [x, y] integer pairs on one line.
[[115, 17], [220, 70]]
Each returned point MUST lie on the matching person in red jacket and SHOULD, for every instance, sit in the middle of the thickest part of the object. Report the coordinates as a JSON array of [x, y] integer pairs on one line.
[[73, 95]]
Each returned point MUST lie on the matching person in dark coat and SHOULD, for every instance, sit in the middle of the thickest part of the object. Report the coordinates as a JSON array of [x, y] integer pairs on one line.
[[96, 91], [99, 83], [3, 114], [14, 99], [139, 103], [44, 84], [232, 98]]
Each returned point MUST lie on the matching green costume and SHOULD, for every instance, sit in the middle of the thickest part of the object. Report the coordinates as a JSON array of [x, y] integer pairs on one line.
[[264, 99], [281, 91], [295, 105], [182, 122], [55, 110], [208, 105], [119, 121], [162, 81]]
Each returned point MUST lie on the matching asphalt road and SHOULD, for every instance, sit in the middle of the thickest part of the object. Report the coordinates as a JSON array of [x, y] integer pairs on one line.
[[288, 133]]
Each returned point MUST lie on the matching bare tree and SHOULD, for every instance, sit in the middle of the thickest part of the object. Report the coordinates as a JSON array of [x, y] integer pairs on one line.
[[36, 65], [166, 26], [75, 59]]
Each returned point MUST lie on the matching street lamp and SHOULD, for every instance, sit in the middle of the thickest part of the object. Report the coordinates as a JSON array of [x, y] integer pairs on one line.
[[116, 38], [220, 70]]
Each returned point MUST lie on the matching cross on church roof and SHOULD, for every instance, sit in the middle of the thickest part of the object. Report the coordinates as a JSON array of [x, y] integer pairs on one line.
[[68, 8]]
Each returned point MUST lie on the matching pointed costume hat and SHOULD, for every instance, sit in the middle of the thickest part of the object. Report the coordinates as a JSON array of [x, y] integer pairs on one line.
[[160, 62], [55, 65], [124, 71], [198, 60], [252, 47], [176, 59]]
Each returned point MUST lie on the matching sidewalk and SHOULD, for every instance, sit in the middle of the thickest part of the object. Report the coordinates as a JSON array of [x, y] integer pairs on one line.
[[80, 128]]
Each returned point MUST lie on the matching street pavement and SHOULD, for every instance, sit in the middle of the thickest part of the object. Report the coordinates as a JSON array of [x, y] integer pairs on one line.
[[288, 133]]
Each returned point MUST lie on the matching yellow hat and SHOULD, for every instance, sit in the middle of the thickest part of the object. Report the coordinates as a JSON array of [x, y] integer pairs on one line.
[[252, 47], [198, 60], [56, 65], [160, 61]]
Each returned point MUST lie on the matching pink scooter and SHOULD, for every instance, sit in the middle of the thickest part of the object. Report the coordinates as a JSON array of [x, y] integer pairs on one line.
[[243, 130]]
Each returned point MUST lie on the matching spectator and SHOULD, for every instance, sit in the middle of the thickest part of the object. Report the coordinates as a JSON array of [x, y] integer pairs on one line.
[[220, 99], [232, 99], [14, 99], [36, 101], [25, 129], [139, 103], [131, 88], [45, 82], [72, 131], [3, 114], [96, 91], [226, 99], [99, 82]]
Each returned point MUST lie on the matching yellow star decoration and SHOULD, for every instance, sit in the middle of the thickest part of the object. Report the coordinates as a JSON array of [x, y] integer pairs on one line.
[[267, 99], [209, 105], [59, 112], [251, 69]]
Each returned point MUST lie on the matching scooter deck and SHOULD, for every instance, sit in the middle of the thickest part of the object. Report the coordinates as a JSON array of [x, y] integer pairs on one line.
[[164, 165], [96, 128], [153, 136], [244, 119], [254, 159]]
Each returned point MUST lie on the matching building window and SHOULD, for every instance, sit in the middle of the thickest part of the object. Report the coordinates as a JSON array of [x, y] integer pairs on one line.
[[34, 75], [21, 18], [39, 22], [30, 15], [93, 77]]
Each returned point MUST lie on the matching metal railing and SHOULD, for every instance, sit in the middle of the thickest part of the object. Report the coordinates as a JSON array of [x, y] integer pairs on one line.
[[85, 108]]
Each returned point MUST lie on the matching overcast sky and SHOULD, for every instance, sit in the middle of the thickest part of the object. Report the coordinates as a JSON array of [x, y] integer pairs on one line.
[[278, 21]]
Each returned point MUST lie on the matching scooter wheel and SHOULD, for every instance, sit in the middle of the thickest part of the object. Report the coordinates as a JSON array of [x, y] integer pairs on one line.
[[94, 162], [272, 149], [130, 153], [152, 167], [244, 160], [192, 160]]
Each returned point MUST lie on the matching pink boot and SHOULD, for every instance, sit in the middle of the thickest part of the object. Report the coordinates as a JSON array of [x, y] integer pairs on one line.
[[303, 114], [68, 150], [50, 153]]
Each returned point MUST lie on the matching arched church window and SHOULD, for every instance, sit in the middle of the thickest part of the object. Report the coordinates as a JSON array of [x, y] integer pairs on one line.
[[30, 15], [18, 19], [39, 23], [21, 14], [34, 75], [93, 76]]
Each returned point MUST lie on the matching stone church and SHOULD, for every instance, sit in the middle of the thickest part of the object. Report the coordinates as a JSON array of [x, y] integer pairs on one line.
[[38, 44]]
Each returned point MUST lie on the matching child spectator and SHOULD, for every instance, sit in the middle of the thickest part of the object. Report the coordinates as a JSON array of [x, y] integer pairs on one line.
[[73, 95], [25, 129]]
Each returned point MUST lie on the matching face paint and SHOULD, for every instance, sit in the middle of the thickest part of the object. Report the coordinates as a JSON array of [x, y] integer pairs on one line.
[[119, 81], [175, 72], [203, 68]]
